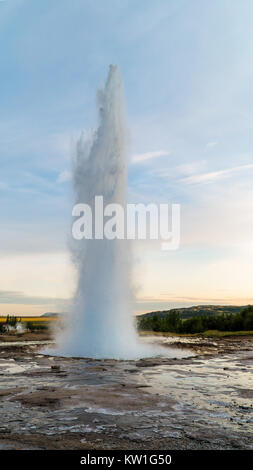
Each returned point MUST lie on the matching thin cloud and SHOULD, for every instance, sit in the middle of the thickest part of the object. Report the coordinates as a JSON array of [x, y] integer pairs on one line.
[[64, 176], [17, 297], [214, 175], [211, 145], [142, 157]]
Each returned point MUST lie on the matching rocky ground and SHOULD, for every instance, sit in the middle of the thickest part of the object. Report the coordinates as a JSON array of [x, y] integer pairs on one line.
[[203, 401]]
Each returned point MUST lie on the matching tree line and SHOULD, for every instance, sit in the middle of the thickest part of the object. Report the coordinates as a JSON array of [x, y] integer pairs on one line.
[[172, 322]]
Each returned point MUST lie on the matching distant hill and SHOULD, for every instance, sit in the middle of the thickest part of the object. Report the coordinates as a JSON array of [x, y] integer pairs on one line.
[[184, 312], [50, 314], [196, 311]]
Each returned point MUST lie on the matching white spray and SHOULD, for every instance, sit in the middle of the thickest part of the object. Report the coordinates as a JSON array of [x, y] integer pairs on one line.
[[101, 322]]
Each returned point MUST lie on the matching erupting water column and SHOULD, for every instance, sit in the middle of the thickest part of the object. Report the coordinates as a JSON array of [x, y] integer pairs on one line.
[[101, 320]]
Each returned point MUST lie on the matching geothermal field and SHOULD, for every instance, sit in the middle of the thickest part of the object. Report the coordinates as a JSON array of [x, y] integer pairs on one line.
[[97, 384], [202, 400], [126, 223]]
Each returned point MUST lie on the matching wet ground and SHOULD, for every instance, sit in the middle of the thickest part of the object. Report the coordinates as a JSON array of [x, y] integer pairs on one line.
[[204, 401]]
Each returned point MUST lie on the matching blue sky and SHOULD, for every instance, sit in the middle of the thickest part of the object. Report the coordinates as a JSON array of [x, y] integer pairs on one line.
[[187, 68]]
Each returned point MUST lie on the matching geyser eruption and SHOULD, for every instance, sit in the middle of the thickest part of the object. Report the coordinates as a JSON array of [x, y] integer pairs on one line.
[[101, 321], [101, 324]]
